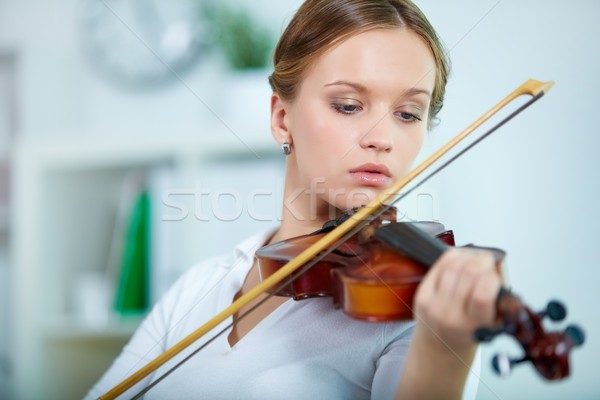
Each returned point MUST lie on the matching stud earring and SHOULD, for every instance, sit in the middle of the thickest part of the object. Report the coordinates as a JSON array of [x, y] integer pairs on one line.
[[286, 148]]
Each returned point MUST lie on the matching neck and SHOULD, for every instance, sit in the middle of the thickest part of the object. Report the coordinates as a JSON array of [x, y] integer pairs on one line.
[[303, 211]]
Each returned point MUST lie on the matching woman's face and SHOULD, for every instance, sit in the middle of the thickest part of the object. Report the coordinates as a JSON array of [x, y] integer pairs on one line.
[[360, 117]]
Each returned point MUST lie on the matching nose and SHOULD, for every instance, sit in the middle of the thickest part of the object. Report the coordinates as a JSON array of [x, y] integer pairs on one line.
[[378, 135]]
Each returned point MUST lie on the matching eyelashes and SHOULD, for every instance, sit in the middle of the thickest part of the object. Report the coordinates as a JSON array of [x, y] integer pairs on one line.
[[408, 117], [351, 109], [346, 109]]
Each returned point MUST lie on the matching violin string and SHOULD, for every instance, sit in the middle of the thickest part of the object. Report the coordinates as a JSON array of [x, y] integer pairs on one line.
[[359, 226]]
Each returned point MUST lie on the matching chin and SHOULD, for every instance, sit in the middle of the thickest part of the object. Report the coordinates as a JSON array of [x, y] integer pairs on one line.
[[357, 198]]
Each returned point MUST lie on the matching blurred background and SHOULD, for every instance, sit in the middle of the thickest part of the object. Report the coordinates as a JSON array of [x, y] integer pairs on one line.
[[134, 142]]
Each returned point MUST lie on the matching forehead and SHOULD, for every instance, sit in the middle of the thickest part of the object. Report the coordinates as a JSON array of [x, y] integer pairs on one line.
[[392, 59]]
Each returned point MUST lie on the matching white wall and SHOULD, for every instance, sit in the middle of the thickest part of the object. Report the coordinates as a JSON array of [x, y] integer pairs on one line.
[[529, 189]]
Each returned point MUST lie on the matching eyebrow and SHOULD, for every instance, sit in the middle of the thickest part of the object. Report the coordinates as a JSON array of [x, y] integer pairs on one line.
[[416, 91], [353, 85], [357, 86]]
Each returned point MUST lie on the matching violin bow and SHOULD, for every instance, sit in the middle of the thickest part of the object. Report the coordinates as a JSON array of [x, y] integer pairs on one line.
[[531, 87]]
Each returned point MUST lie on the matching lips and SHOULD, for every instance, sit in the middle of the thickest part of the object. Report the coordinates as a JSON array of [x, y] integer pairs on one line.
[[371, 174]]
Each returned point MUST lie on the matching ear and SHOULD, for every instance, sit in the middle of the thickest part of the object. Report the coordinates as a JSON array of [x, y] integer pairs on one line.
[[280, 120]]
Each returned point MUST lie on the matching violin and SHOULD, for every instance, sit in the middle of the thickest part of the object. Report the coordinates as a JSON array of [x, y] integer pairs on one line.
[[525, 325], [373, 276], [368, 278]]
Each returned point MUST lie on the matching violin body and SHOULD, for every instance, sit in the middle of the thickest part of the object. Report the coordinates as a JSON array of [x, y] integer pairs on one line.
[[383, 287], [369, 279]]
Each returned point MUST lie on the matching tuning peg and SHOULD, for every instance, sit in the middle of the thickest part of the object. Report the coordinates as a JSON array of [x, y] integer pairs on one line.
[[487, 334], [575, 334], [502, 364], [555, 310]]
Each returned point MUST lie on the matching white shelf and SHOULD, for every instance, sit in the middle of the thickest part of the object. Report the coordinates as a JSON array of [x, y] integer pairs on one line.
[[82, 152], [65, 194], [66, 329]]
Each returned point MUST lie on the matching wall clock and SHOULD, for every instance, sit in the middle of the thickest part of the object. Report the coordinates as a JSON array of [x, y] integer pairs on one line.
[[142, 43]]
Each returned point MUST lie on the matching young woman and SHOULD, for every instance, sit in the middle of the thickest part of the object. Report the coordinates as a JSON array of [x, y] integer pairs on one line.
[[355, 88]]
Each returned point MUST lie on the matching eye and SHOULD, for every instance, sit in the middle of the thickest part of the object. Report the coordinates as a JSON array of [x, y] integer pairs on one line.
[[345, 108], [408, 117]]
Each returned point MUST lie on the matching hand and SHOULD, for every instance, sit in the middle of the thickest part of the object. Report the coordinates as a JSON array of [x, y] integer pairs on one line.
[[457, 296]]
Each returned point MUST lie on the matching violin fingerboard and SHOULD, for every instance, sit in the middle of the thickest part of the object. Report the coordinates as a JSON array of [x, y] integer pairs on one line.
[[411, 242]]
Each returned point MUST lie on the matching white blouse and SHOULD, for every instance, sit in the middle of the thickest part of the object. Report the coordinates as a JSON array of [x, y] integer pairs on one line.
[[303, 350]]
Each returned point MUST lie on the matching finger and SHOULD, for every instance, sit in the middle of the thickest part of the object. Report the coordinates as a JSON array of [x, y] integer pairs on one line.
[[432, 280], [475, 265], [451, 269], [481, 305], [430, 301]]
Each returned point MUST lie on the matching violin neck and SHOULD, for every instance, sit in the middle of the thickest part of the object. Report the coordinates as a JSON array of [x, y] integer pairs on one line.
[[412, 242]]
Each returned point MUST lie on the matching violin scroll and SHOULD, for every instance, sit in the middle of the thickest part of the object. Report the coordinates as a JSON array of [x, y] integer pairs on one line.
[[547, 351]]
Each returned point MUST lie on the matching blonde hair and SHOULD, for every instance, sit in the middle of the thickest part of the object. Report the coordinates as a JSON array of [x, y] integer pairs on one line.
[[318, 24]]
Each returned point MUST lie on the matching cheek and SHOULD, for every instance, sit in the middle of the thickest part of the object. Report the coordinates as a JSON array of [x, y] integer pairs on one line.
[[409, 141], [417, 143], [315, 137], [407, 148], [314, 127]]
